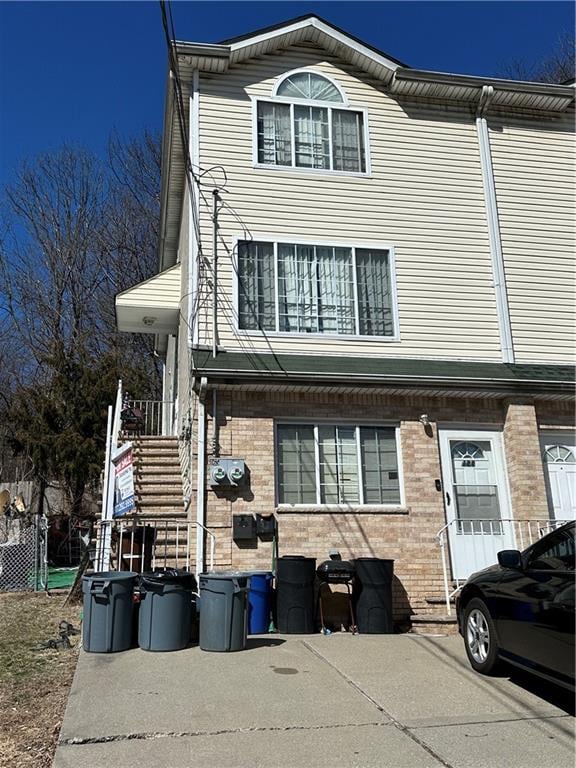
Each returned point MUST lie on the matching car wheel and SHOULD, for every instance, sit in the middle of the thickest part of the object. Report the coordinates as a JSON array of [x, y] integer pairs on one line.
[[480, 637]]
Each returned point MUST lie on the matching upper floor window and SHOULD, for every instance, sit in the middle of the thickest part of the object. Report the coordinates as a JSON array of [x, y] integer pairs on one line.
[[301, 129], [326, 289]]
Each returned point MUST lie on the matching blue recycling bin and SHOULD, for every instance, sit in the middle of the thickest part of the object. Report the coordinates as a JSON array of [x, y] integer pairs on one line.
[[259, 602]]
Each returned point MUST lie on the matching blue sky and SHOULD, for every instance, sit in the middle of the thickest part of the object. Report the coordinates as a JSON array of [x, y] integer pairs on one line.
[[74, 71]]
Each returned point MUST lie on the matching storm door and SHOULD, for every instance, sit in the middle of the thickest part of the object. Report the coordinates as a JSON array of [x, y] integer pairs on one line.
[[475, 498], [559, 454]]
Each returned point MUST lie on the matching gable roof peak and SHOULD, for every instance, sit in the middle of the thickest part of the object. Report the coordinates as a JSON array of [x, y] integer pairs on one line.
[[313, 28]]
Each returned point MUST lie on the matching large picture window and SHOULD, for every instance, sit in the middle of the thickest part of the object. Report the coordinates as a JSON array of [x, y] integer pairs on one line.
[[337, 464], [294, 288], [303, 130]]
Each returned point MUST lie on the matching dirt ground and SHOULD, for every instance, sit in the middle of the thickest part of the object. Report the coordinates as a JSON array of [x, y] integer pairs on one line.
[[34, 683]]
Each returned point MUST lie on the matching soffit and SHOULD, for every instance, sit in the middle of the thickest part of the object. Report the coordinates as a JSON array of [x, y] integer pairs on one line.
[[152, 306]]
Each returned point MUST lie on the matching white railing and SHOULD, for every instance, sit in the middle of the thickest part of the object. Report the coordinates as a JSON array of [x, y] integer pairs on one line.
[[156, 416], [147, 543], [483, 539], [112, 436]]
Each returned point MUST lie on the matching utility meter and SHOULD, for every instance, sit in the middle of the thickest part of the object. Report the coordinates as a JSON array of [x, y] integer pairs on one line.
[[218, 475], [228, 473], [236, 474]]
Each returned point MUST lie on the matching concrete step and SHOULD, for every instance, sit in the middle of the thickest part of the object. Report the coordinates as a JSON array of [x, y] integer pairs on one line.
[[160, 511], [158, 460], [158, 517], [156, 445], [158, 470], [159, 489], [430, 623], [435, 600], [175, 516], [159, 501], [165, 480]]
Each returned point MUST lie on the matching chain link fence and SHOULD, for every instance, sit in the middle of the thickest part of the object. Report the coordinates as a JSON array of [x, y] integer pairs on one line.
[[23, 560]]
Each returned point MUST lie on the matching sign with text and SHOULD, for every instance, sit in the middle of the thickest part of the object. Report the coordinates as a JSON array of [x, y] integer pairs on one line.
[[124, 500]]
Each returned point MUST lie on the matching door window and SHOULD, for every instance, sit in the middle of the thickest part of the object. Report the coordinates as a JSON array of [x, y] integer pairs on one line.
[[558, 454], [475, 487]]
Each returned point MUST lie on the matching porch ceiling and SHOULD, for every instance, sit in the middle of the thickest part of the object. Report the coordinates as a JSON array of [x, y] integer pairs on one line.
[[152, 306]]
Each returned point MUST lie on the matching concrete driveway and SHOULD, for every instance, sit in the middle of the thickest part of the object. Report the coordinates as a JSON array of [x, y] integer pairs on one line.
[[403, 701]]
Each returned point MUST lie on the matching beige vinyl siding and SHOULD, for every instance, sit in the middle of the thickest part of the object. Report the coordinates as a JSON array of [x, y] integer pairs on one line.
[[162, 290], [424, 197], [534, 179]]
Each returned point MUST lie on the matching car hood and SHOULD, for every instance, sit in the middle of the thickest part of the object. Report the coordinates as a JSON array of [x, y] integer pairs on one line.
[[484, 572]]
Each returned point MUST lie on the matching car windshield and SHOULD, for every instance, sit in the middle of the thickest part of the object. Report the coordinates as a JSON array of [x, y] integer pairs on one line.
[[554, 552]]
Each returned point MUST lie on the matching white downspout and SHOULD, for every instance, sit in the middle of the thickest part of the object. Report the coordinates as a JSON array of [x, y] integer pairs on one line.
[[194, 250], [494, 236], [201, 477]]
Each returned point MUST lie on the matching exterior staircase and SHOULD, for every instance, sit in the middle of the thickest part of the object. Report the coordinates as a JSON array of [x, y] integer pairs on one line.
[[160, 513], [157, 478]]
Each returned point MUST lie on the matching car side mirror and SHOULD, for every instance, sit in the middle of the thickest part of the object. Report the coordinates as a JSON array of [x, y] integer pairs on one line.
[[510, 558]]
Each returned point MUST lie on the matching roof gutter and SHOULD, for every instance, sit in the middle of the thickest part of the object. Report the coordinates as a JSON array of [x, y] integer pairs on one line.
[[202, 49], [165, 166], [424, 75], [391, 380], [543, 97]]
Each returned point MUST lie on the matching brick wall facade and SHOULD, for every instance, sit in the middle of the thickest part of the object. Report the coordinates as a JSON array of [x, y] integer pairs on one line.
[[245, 429], [524, 461]]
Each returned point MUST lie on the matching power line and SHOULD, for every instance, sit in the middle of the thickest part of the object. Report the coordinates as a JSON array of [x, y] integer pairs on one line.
[[193, 180]]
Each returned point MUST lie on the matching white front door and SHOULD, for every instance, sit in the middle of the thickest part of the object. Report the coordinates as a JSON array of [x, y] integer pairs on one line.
[[559, 455], [475, 498]]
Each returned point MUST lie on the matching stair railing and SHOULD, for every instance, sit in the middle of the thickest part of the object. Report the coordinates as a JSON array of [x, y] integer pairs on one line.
[[142, 543], [474, 532], [103, 544], [156, 415]]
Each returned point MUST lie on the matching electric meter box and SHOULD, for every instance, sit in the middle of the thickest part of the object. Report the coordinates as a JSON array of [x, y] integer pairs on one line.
[[243, 527], [228, 473]]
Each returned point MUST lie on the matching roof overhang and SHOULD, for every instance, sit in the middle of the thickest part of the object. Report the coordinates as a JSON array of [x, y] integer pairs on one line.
[[152, 306], [307, 29], [384, 376], [508, 94]]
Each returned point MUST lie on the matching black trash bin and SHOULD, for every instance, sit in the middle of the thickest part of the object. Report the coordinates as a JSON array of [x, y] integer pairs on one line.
[[165, 620], [295, 579], [107, 611], [373, 595]]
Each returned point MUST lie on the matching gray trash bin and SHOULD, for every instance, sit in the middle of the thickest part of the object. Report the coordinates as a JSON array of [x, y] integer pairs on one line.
[[223, 615], [165, 620], [108, 606]]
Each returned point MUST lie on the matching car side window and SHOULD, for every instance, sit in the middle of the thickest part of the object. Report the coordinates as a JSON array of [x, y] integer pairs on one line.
[[556, 553]]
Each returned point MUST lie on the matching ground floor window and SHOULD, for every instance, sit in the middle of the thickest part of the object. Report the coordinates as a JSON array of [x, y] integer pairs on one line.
[[337, 464]]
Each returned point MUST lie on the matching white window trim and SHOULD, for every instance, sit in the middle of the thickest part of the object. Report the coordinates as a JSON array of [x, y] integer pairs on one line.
[[275, 240], [297, 169], [315, 423]]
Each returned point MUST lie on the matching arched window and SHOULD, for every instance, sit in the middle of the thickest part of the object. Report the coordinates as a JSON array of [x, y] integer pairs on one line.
[[559, 454], [309, 86], [307, 124]]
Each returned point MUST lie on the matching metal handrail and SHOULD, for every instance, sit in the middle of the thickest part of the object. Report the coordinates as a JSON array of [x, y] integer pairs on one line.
[[519, 528], [127, 527], [152, 415]]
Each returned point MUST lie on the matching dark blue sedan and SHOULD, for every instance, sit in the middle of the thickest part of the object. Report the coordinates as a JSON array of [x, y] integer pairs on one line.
[[521, 611]]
